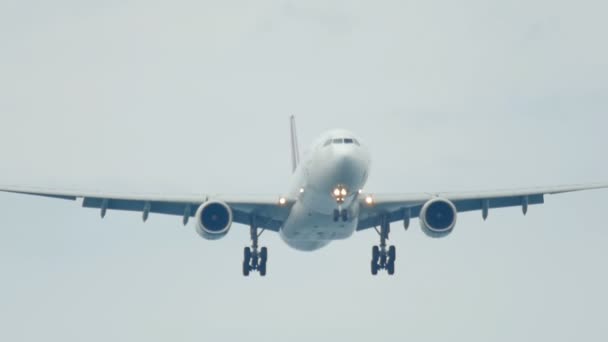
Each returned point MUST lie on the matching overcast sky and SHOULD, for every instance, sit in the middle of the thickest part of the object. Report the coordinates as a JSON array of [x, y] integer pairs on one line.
[[194, 97]]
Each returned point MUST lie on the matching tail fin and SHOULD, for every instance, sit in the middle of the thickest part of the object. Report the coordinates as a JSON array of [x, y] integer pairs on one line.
[[295, 150]]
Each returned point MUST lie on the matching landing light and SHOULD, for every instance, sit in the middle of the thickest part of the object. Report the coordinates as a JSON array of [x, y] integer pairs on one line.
[[282, 201], [369, 200], [339, 194]]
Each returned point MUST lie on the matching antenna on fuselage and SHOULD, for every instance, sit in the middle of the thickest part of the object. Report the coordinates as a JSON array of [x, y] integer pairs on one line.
[[295, 150]]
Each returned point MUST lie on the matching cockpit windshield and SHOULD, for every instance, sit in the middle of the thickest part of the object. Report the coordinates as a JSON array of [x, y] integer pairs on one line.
[[341, 141]]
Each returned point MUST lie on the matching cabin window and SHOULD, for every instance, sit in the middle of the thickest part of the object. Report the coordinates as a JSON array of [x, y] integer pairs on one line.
[[327, 143], [348, 141], [338, 141]]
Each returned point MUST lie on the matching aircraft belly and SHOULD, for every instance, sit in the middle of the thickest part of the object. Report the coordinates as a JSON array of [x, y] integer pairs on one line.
[[309, 230]]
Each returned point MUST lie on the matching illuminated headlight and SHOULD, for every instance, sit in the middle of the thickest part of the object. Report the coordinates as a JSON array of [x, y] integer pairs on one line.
[[343, 192], [336, 192]]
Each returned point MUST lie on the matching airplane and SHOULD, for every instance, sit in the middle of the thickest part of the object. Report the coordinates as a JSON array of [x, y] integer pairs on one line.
[[325, 202]]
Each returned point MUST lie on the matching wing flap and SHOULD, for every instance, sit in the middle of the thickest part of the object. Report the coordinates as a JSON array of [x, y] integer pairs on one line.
[[498, 202], [167, 208]]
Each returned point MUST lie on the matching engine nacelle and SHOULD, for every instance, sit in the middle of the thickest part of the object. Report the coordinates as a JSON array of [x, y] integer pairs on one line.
[[438, 217], [213, 220]]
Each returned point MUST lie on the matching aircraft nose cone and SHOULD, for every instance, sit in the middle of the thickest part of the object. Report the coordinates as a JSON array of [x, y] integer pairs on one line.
[[345, 162], [348, 170]]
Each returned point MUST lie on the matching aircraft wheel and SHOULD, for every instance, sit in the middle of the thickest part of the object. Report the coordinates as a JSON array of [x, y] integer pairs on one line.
[[247, 255], [262, 268], [392, 253], [374, 267], [263, 255], [246, 269], [390, 267], [375, 254]]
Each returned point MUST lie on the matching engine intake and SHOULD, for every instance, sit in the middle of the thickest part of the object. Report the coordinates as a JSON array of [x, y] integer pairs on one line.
[[438, 217], [213, 220]]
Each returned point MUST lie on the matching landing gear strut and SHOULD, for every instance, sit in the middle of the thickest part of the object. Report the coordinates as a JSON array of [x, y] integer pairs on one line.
[[383, 258], [254, 259]]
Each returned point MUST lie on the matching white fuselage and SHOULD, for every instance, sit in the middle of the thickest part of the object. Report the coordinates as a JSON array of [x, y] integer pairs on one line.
[[344, 163]]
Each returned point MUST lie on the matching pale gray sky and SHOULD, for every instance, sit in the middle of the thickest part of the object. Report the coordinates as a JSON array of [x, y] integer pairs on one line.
[[193, 96]]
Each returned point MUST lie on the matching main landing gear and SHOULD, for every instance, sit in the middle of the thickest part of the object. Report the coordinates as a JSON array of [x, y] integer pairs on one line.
[[383, 258], [254, 259]]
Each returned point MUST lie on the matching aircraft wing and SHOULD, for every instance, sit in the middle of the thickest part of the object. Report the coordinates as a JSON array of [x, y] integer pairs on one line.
[[399, 207], [266, 209]]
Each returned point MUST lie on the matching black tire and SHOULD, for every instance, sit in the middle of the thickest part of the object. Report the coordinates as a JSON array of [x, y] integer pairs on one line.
[[374, 268], [392, 253], [390, 267], [262, 268], [247, 255], [344, 215], [336, 215], [263, 255], [245, 269], [375, 254]]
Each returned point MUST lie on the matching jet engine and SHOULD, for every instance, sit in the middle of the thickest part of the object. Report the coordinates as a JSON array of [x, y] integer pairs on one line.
[[213, 220], [438, 217]]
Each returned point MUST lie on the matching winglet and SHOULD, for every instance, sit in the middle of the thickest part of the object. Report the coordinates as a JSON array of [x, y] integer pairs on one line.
[[295, 151]]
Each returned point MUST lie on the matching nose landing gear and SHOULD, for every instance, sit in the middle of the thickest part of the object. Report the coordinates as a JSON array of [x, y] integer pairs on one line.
[[254, 259], [340, 214], [383, 258]]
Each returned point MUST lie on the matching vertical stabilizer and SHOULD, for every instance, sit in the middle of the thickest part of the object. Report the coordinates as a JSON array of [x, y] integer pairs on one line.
[[295, 150]]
